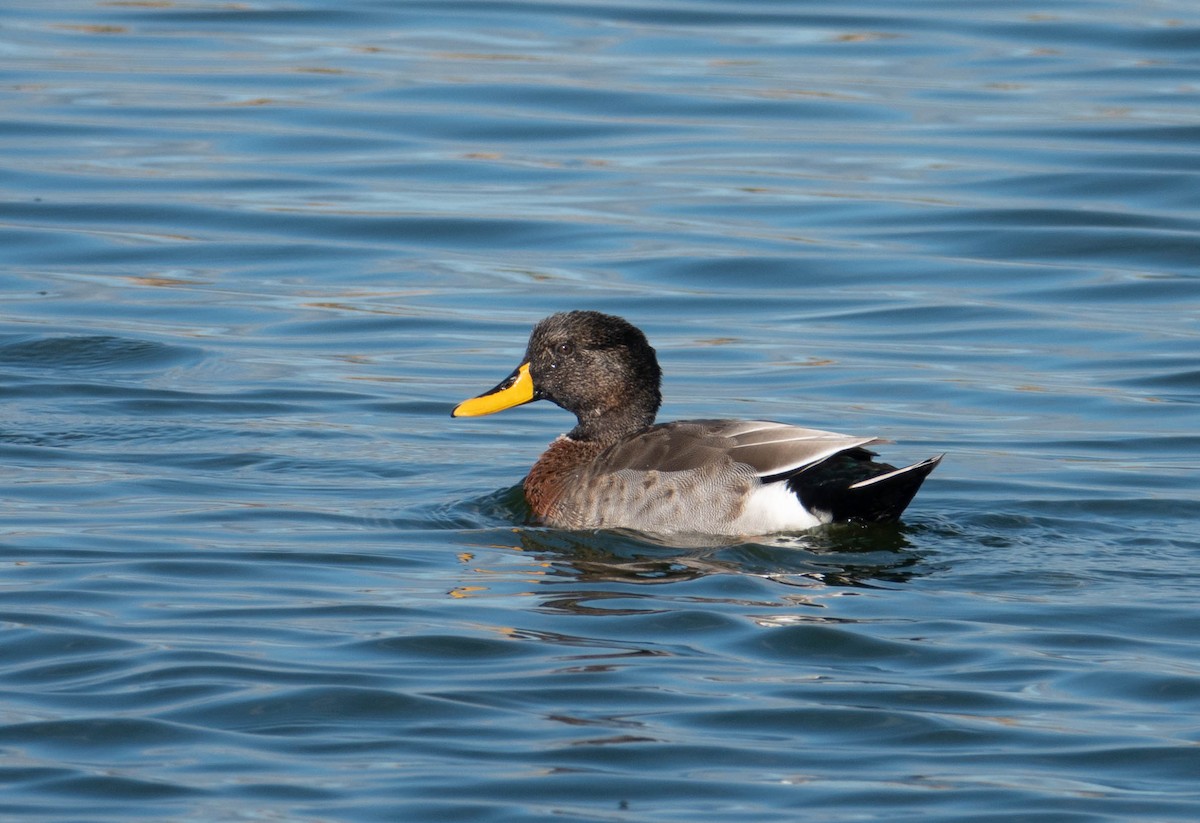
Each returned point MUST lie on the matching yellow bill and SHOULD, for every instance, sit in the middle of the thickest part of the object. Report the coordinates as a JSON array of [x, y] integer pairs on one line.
[[514, 390]]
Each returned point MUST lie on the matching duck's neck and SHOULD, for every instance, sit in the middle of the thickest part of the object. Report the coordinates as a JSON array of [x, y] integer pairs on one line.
[[607, 426]]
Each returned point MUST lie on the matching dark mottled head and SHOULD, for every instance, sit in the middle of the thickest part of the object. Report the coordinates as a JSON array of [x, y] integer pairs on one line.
[[597, 366]]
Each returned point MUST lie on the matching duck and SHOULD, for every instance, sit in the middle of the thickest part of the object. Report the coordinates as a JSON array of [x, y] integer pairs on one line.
[[619, 469]]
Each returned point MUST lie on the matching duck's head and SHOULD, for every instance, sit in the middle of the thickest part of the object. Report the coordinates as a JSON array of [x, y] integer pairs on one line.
[[596, 366]]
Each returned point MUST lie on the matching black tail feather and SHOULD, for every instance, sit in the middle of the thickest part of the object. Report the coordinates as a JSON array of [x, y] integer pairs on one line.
[[852, 488]]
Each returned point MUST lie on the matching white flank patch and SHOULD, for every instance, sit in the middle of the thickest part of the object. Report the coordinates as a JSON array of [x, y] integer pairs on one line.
[[774, 508]]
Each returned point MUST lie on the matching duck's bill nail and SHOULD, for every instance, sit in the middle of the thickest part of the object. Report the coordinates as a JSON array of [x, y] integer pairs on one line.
[[514, 390]]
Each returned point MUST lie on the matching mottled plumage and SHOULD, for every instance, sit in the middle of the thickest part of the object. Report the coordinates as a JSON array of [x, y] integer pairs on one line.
[[617, 469]]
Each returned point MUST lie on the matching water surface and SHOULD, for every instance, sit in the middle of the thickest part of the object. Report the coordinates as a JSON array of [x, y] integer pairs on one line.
[[251, 255]]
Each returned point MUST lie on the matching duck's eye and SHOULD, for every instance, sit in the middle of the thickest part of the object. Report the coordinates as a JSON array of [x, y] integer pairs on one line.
[[564, 349]]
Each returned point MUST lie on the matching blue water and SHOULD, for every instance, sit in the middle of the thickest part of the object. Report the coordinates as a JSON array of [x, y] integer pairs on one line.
[[252, 253]]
